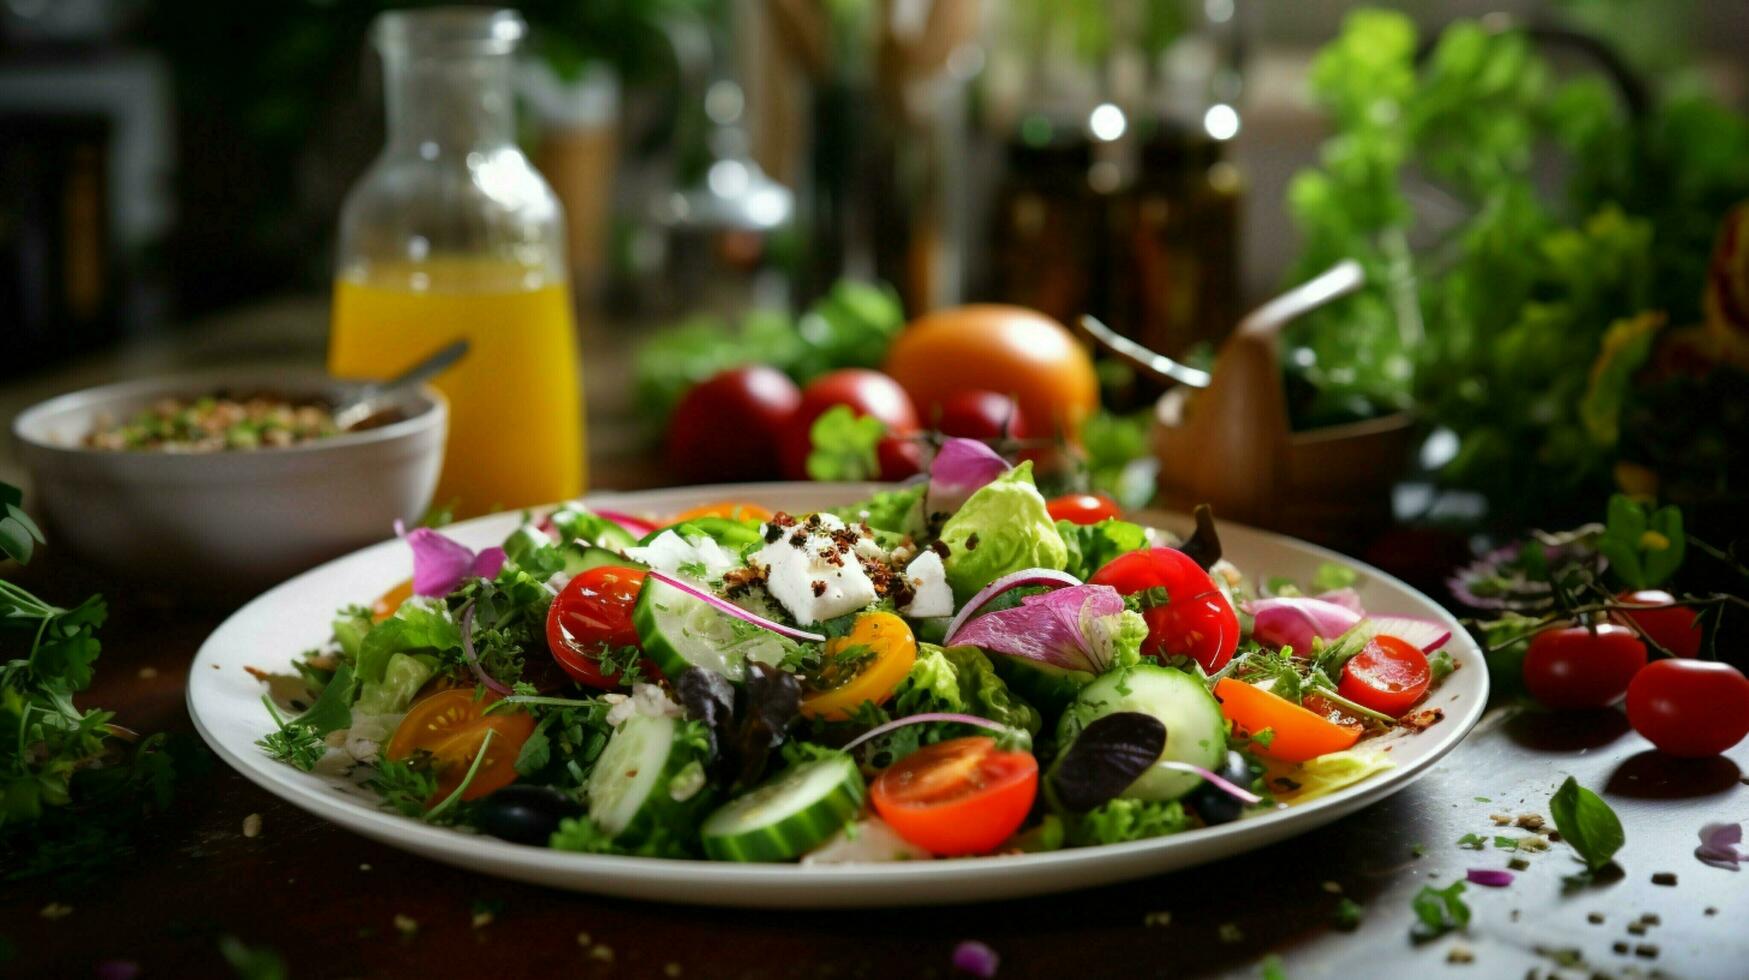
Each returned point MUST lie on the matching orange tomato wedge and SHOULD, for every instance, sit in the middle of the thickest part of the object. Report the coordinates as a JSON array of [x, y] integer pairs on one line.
[[865, 664], [734, 510], [451, 725], [384, 606], [1298, 734]]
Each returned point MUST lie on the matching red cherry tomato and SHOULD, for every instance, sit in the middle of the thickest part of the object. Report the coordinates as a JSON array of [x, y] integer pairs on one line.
[[1083, 508], [975, 414], [1675, 628], [1581, 667], [1196, 620], [868, 393], [958, 797], [1690, 708], [1388, 676], [727, 428], [593, 611]]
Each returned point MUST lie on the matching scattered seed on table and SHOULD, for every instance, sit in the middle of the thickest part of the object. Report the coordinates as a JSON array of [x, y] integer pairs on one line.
[[147, 673], [1333, 887], [1637, 928], [1647, 950], [1517, 864], [1501, 819], [1595, 918], [1711, 911], [252, 825], [1651, 919], [1229, 933], [406, 925], [1529, 821], [1160, 918], [1460, 954], [482, 919], [364, 867], [1620, 947], [601, 952], [584, 939], [1664, 878]]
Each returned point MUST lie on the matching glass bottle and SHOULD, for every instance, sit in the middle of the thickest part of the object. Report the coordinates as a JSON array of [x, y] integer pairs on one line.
[[452, 234]]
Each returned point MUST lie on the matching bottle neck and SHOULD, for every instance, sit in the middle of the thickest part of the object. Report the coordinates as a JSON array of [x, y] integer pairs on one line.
[[449, 103]]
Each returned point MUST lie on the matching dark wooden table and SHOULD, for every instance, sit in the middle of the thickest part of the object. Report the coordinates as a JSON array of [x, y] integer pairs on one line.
[[328, 902]]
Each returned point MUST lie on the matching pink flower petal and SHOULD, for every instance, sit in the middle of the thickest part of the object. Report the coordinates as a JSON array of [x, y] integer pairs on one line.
[[976, 958], [1721, 845], [1489, 877], [439, 564], [488, 562], [960, 468], [1294, 621]]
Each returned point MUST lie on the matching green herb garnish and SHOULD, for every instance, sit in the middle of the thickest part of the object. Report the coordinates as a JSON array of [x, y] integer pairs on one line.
[[1587, 824]]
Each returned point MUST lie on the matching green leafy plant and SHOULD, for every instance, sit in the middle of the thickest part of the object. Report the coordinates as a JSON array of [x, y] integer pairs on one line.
[[844, 445], [1439, 911], [1515, 321]]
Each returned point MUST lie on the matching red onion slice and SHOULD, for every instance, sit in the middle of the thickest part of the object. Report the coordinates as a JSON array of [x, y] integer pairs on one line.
[[1489, 877], [637, 525], [1026, 576], [1427, 634], [1234, 790], [491, 683], [728, 608], [927, 716], [976, 958]]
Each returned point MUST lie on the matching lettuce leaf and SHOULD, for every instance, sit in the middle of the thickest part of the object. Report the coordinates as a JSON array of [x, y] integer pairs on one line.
[[961, 679], [419, 625], [1003, 527], [1090, 546]]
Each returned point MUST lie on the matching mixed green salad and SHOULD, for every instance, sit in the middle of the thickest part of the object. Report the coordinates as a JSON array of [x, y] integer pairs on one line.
[[941, 670]]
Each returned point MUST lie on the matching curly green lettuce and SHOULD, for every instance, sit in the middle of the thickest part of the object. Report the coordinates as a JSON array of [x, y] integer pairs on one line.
[[1003, 527], [962, 679]]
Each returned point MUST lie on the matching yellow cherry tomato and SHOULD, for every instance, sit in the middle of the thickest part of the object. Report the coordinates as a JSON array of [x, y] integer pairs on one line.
[[385, 605], [734, 510], [865, 664]]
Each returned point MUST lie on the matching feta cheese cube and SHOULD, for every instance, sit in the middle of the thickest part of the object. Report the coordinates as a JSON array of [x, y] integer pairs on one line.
[[932, 596], [811, 574], [671, 554]]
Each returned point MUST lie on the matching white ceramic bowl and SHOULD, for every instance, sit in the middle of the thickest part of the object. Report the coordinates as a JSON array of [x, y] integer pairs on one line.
[[226, 522]]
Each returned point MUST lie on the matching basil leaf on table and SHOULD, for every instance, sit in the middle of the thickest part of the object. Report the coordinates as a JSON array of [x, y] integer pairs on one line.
[[1587, 823]]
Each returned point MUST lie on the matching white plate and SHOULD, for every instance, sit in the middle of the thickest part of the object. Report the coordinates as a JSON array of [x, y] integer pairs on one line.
[[226, 705]]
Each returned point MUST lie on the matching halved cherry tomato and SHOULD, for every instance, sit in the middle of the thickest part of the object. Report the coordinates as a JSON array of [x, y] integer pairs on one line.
[[734, 510], [1082, 508], [593, 611], [1196, 620], [1582, 667], [1296, 733], [452, 726], [1675, 628], [384, 606], [958, 797], [1388, 676], [865, 664], [1690, 708]]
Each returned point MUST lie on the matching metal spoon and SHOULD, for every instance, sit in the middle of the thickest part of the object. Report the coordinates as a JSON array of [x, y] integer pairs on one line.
[[1332, 284], [375, 396]]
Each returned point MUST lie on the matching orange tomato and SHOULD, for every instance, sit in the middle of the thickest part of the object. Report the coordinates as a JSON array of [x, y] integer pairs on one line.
[[878, 653], [1006, 349], [958, 797], [384, 606], [1298, 734], [734, 510], [452, 726]]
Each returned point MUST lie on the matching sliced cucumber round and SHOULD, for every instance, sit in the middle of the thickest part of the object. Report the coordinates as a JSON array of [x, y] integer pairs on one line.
[[679, 631], [580, 558], [1195, 731], [790, 814], [649, 780]]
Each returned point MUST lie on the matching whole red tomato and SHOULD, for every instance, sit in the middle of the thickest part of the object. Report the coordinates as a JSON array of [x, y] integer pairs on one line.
[[1675, 628], [1582, 667], [981, 415], [1082, 508], [1195, 620], [868, 393], [727, 427], [1690, 708], [592, 612]]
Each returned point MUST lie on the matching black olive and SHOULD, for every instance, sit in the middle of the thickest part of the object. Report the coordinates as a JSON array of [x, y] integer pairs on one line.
[[1213, 804], [525, 814]]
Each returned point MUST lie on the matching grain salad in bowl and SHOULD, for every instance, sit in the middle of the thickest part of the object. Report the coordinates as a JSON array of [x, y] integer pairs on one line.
[[225, 482], [214, 423]]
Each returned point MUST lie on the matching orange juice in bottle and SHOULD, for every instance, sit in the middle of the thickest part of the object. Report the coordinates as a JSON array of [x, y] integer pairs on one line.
[[451, 235]]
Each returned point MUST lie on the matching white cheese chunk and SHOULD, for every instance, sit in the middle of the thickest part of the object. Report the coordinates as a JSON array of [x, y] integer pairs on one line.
[[671, 554], [812, 578], [932, 596]]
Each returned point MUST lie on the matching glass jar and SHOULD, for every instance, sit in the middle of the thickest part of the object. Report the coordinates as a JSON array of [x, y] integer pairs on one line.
[[452, 234]]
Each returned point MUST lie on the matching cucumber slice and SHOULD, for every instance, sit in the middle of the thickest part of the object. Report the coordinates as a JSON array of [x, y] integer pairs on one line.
[[580, 558], [649, 781], [1048, 687], [790, 814], [732, 535], [678, 631], [1195, 731]]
